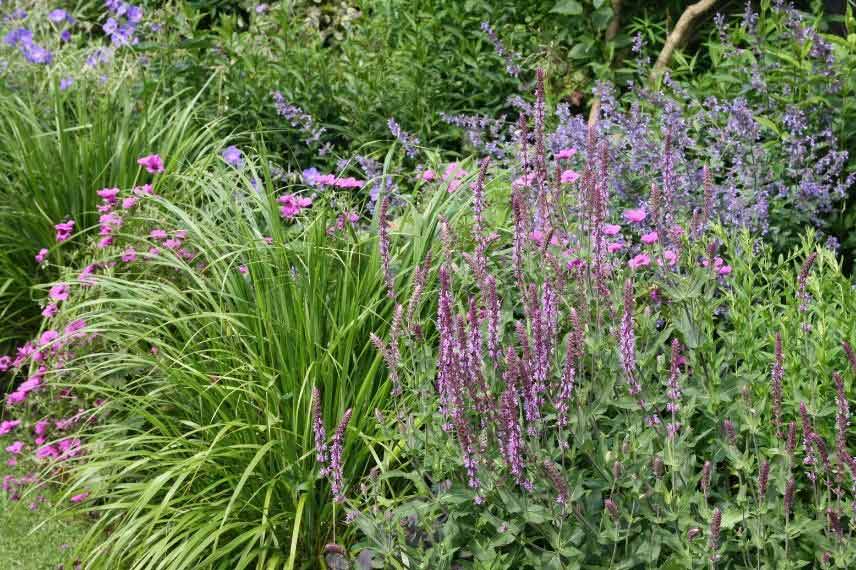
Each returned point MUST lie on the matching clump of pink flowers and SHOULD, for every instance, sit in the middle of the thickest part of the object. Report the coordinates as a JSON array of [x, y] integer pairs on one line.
[[292, 205]]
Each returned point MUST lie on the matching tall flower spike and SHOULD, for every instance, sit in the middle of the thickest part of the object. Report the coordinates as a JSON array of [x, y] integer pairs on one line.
[[791, 441], [705, 478], [842, 417], [493, 319], [320, 433], [763, 478], [851, 355], [478, 230], [674, 392], [715, 523], [336, 466], [788, 500], [776, 385], [627, 341], [567, 387], [802, 294], [707, 211], [559, 483], [383, 242], [419, 281]]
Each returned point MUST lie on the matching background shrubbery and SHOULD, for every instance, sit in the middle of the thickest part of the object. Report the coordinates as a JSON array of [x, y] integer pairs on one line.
[[327, 320]]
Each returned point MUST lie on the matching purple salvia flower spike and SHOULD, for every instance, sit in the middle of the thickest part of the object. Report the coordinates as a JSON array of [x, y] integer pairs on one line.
[[336, 466]]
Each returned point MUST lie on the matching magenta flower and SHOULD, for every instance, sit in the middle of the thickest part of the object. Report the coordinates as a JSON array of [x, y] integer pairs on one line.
[[725, 270], [153, 163], [48, 337], [41, 427], [570, 176], [650, 237], [109, 195], [641, 260], [429, 175], [292, 205], [615, 246], [611, 229], [158, 234], [15, 448], [85, 276], [349, 182], [59, 292], [635, 215], [42, 256], [129, 202], [79, 498], [63, 230], [50, 311], [566, 153], [129, 255], [670, 256], [7, 426]]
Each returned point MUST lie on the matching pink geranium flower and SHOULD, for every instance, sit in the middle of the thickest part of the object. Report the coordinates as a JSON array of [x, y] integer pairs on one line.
[[59, 292], [46, 451], [615, 246], [63, 230], [109, 195], [292, 205], [129, 255], [725, 270], [79, 498], [566, 153], [640, 260], [570, 176], [349, 182], [429, 175], [50, 311], [650, 237], [152, 163], [48, 337], [42, 256], [158, 233], [15, 448], [8, 426], [611, 229], [635, 215], [670, 256]]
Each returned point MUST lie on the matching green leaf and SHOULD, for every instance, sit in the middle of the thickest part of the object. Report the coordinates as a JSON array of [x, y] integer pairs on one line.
[[567, 8]]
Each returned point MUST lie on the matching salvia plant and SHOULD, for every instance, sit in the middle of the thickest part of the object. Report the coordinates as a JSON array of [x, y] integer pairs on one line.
[[599, 387]]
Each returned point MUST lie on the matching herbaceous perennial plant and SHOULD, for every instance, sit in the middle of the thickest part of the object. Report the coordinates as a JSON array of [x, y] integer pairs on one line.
[[582, 397]]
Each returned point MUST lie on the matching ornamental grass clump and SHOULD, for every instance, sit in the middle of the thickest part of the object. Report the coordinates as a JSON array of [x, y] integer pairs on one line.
[[577, 404], [225, 341]]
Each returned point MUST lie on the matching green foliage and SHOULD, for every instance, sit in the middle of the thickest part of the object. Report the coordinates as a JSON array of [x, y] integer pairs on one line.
[[54, 158]]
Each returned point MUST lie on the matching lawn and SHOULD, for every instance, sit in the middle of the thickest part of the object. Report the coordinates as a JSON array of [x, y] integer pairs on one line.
[[39, 539]]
